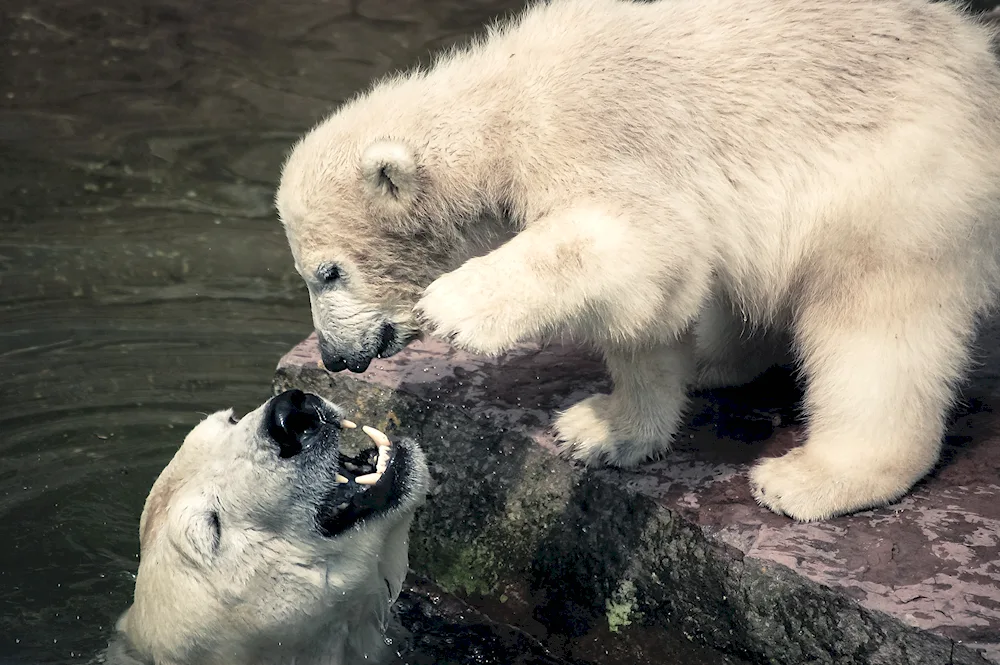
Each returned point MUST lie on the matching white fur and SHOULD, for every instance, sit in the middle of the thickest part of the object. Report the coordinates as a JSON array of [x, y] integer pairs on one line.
[[277, 591], [688, 186]]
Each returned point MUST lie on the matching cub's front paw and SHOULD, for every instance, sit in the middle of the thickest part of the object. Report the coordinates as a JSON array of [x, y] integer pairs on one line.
[[472, 310], [589, 432]]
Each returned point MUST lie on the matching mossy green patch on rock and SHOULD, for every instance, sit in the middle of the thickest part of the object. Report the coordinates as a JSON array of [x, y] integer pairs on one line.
[[621, 607], [472, 569]]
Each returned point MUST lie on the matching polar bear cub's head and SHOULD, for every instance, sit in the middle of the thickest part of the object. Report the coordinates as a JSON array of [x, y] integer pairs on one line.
[[372, 221], [261, 542]]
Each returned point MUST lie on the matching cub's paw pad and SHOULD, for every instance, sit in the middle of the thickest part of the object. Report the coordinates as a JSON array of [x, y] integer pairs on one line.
[[788, 485], [587, 434], [584, 434]]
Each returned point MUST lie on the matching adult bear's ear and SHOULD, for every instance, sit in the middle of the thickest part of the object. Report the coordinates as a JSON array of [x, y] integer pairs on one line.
[[391, 175], [200, 535]]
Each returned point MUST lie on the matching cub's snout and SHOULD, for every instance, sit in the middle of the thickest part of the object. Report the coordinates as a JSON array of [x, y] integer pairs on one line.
[[380, 341]]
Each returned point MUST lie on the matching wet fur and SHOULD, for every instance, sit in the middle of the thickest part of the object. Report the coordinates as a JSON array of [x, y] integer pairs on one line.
[[277, 592], [697, 190]]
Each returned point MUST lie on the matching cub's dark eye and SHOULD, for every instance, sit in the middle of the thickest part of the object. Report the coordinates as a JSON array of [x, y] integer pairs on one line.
[[233, 419], [328, 273]]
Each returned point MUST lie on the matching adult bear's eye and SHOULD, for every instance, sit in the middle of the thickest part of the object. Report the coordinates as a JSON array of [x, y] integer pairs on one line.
[[216, 526], [328, 273]]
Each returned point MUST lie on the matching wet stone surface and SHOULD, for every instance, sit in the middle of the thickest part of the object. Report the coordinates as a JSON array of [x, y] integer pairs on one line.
[[433, 628], [680, 542]]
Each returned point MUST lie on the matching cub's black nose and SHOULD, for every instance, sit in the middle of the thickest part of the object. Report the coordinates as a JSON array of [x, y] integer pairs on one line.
[[334, 360], [293, 420], [333, 363]]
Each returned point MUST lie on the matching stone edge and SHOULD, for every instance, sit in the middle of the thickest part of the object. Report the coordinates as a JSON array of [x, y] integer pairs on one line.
[[555, 550]]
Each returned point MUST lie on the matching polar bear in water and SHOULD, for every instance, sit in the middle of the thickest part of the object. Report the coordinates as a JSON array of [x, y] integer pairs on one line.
[[693, 188], [261, 543]]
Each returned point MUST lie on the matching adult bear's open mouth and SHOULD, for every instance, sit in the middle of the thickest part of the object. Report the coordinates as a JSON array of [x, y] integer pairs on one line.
[[373, 481]]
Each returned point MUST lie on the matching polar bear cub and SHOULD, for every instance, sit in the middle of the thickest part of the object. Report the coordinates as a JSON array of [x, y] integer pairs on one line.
[[261, 543], [695, 189]]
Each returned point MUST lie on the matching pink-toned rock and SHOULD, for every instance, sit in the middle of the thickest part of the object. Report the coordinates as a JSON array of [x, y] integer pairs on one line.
[[930, 562]]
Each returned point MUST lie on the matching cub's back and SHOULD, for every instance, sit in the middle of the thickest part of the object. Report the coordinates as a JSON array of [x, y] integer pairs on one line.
[[773, 71]]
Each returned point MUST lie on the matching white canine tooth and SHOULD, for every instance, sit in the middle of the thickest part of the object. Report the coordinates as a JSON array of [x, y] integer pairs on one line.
[[369, 479], [383, 459], [340, 479], [378, 437], [347, 424]]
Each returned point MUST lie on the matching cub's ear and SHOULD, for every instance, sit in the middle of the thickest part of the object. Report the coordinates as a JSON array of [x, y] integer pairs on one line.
[[391, 175]]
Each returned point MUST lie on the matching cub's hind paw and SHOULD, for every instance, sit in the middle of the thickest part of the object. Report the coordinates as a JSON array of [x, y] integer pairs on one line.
[[803, 488]]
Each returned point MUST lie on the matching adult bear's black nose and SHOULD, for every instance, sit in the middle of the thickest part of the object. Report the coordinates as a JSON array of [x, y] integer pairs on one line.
[[294, 419]]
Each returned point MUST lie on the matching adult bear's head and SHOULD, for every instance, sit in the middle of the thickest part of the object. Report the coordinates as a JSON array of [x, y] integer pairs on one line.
[[263, 541], [373, 219]]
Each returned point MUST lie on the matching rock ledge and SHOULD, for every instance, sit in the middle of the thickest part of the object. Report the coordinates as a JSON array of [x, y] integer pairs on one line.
[[678, 547]]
